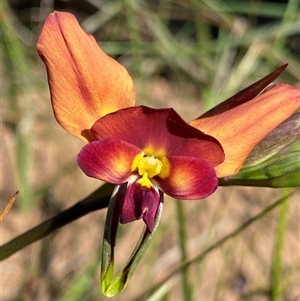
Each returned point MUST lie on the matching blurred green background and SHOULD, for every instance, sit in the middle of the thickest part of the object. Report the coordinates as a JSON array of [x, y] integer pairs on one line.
[[189, 55]]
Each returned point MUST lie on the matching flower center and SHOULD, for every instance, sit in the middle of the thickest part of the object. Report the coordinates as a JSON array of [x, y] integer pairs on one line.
[[148, 167]]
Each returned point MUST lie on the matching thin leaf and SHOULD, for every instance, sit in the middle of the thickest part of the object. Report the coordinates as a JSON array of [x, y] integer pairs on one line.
[[99, 199]]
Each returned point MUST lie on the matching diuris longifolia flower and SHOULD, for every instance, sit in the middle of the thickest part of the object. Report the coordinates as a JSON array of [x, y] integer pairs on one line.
[[144, 151]]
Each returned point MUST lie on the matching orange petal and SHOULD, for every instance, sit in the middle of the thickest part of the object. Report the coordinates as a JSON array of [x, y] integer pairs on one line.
[[85, 83], [240, 128]]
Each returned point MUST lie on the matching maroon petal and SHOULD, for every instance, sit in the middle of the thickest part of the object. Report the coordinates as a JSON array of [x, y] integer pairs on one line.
[[158, 132], [109, 160], [189, 178], [141, 202]]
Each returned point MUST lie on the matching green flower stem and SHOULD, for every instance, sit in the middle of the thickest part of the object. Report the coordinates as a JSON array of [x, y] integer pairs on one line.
[[187, 294], [244, 182], [290, 179], [213, 247], [99, 199], [276, 269]]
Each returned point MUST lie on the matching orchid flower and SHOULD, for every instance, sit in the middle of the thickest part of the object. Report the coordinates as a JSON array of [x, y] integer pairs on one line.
[[147, 152]]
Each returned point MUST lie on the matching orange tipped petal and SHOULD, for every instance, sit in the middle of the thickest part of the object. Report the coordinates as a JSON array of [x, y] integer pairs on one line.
[[109, 160], [85, 83], [240, 128]]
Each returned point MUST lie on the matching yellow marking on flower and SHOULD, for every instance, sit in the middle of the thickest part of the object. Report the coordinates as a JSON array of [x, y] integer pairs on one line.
[[151, 151], [151, 165], [148, 167], [160, 154], [136, 161], [144, 180], [166, 167]]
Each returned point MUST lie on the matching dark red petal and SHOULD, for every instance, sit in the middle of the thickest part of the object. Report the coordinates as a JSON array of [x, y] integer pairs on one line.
[[109, 160], [141, 202], [190, 178], [159, 132]]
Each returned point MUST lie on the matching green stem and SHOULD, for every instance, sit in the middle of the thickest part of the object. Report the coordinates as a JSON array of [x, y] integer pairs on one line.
[[288, 179], [276, 268], [187, 293], [244, 182]]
